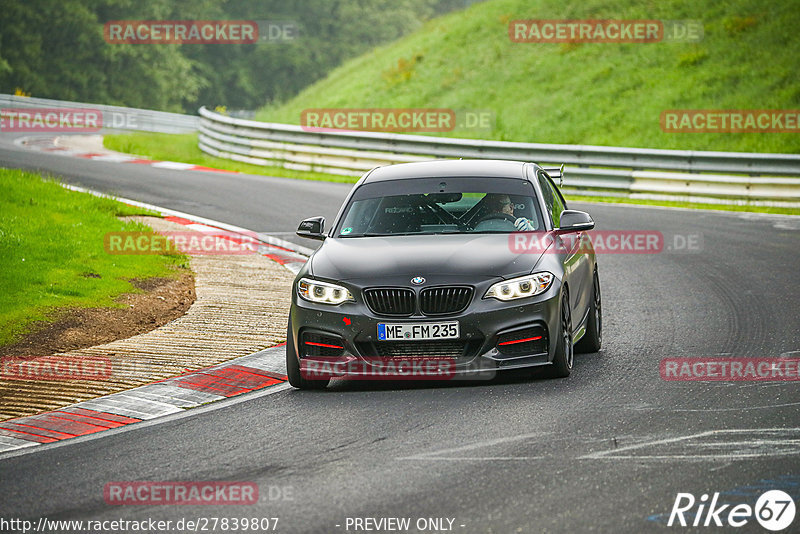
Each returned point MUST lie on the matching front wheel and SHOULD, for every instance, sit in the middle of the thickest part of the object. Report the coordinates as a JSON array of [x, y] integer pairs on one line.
[[563, 360], [593, 338]]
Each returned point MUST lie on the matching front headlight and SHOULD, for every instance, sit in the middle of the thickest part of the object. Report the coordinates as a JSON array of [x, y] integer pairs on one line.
[[322, 292], [517, 288]]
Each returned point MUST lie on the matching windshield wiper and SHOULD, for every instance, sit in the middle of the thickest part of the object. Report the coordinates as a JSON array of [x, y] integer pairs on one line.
[[376, 234], [381, 234]]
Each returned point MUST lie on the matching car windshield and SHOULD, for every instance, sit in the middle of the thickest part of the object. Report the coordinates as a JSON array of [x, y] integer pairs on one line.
[[441, 206]]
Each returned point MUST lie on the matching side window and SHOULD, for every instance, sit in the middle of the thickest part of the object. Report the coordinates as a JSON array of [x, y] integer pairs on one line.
[[558, 206], [552, 199]]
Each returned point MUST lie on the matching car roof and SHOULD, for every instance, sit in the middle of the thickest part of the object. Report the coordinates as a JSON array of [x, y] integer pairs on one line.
[[448, 168]]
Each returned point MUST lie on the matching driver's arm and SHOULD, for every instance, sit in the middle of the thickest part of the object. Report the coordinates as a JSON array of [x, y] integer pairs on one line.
[[523, 225]]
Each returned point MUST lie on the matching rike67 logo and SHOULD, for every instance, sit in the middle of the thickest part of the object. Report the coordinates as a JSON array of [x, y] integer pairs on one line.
[[774, 510]]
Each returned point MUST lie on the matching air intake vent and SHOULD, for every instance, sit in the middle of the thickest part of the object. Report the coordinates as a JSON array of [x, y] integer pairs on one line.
[[527, 341], [444, 300], [390, 301], [421, 349], [324, 345], [460, 350]]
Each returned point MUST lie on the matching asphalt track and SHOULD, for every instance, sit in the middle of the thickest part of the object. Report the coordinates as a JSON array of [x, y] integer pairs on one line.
[[606, 450]]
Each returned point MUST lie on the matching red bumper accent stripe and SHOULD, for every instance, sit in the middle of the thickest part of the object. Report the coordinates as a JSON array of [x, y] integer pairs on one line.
[[520, 340], [323, 345]]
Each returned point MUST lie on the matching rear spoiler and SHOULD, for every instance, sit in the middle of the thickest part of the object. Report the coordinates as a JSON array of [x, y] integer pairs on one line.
[[556, 173]]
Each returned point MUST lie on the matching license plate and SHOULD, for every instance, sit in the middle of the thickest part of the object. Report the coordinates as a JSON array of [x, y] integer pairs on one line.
[[417, 331]]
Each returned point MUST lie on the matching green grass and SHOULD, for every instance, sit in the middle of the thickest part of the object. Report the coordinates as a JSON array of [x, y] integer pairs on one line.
[[183, 148], [590, 93], [52, 254]]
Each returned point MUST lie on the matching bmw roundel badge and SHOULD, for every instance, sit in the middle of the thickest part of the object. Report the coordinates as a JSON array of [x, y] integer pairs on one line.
[[417, 280]]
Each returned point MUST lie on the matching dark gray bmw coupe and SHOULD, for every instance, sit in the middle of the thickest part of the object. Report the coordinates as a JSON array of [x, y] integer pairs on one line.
[[445, 269]]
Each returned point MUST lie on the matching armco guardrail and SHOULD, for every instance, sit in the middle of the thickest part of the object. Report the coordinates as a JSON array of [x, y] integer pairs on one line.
[[596, 170], [114, 117]]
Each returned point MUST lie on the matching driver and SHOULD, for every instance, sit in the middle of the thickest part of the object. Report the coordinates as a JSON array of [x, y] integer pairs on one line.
[[501, 206]]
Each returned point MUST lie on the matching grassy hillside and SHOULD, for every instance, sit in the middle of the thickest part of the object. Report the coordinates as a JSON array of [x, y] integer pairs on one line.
[[591, 93]]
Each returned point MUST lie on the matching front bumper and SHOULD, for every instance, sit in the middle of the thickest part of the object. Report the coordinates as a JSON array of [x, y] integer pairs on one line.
[[490, 334]]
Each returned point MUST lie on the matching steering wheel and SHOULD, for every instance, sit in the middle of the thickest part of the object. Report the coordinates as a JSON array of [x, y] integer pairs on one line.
[[452, 219], [501, 216]]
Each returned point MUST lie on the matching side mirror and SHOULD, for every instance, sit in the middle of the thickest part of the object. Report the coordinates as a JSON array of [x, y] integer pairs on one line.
[[575, 221], [312, 228]]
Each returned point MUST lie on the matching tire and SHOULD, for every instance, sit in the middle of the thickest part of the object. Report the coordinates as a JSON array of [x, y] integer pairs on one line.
[[293, 366], [564, 359], [593, 338]]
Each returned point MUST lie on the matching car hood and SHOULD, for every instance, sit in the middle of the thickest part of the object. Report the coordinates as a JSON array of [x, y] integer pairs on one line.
[[458, 255]]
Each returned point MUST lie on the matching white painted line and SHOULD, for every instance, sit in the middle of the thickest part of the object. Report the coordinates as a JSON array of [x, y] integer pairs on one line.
[[128, 406], [471, 458], [597, 455], [110, 407], [695, 457], [176, 396], [272, 359], [7, 443], [472, 446], [174, 165], [114, 158], [740, 409], [204, 228], [741, 453], [154, 408]]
